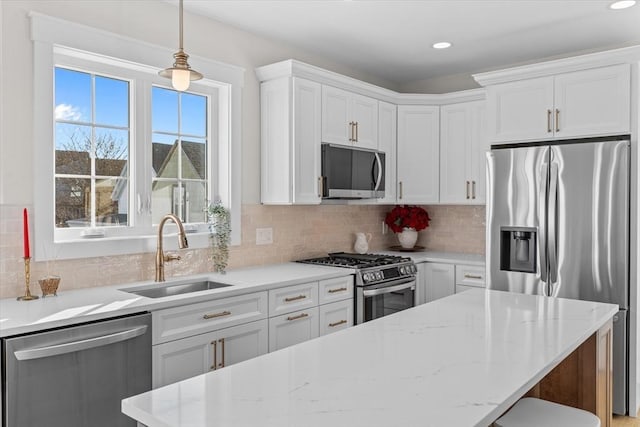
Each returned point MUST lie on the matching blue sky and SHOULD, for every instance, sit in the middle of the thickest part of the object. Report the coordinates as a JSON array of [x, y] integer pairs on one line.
[[73, 99]]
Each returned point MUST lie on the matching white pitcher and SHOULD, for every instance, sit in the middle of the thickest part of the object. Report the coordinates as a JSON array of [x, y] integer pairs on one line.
[[362, 243]]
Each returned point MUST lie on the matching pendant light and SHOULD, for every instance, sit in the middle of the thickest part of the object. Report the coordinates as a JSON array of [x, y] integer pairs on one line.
[[181, 73]]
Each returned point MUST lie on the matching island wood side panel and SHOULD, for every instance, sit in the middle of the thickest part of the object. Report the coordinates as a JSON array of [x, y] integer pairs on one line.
[[584, 379]]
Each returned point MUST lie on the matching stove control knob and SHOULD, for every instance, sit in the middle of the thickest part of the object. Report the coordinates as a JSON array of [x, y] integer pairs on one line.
[[366, 277], [403, 270], [379, 275], [413, 268]]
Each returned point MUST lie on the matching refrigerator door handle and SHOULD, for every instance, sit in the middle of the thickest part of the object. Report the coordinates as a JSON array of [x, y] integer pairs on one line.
[[542, 248], [552, 225]]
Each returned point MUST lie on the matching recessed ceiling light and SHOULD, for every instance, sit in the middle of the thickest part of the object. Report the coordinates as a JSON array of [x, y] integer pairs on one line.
[[441, 45], [622, 4]]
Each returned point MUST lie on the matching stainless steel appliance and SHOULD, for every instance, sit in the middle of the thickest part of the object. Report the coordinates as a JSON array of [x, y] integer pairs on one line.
[[352, 173], [384, 284], [558, 225], [76, 376]]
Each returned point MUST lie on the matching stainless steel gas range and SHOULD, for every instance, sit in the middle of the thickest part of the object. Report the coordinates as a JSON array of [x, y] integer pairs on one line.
[[385, 284]]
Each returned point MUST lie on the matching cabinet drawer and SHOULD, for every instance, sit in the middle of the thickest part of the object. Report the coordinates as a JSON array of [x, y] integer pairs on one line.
[[470, 275], [336, 289], [188, 320], [293, 328], [336, 316], [292, 298]]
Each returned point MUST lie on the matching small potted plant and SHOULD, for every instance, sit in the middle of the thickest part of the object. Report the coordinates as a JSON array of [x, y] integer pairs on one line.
[[219, 219], [406, 221]]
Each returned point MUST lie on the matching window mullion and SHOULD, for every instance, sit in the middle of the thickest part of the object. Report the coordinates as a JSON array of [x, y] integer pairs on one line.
[[93, 207]]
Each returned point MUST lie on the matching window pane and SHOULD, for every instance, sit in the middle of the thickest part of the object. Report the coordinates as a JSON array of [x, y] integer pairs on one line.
[[112, 102], [162, 199], [195, 201], [73, 95], [112, 152], [193, 115], [194, 159], [165, 156], [164, 110], [73, 149], [112, 196], [73, 202]]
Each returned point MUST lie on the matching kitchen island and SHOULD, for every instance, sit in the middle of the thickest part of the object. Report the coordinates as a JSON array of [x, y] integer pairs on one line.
[[459, 361]]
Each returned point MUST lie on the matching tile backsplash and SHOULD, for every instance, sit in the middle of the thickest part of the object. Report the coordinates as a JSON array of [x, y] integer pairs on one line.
[[298, 232]]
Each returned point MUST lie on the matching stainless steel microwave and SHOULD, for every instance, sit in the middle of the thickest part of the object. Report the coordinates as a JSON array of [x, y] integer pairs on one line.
[[352, 173]]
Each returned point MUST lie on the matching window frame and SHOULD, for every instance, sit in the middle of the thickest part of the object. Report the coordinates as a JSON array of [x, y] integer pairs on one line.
[[71, 45]]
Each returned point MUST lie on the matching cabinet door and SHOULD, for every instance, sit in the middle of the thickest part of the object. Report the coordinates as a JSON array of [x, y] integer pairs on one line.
[[439, 280], [293, 328], [306, 141], [520, 111], [335, 116], [418, 154], [364, 112], [335, 316], [185, 358], [477, 158], [593, 102], [421, 289], [387, 138], [455, 138], [242, 342]]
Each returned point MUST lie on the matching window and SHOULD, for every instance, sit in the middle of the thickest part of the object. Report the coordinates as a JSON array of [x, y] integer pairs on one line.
[[179, 154], [91, 149], [120, 148]]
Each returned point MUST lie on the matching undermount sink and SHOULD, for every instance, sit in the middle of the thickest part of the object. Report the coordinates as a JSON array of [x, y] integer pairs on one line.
[[162, 290]]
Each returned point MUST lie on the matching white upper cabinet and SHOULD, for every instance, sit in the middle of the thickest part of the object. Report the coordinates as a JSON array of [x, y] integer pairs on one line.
[[463, 144], [593, 102], [585, 103], [349, 119], [418, 154], [387, 143], [290, 141]]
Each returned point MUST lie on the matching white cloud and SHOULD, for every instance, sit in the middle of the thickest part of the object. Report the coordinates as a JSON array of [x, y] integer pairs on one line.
[[67, 112]]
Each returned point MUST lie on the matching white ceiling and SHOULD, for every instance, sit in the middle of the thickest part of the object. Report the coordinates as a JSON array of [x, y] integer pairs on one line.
[[392, 39]]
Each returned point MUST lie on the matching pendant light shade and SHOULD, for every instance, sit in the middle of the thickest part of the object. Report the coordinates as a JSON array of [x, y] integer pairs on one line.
[[181, 74]]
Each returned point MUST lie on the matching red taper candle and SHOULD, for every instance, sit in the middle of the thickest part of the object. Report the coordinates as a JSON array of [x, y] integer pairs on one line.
[[27, 252]]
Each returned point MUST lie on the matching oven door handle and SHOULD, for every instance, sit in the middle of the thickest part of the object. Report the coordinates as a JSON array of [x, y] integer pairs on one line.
[[389, 289]]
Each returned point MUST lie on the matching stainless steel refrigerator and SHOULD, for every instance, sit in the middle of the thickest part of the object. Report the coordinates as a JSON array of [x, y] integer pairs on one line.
[[558, 225]]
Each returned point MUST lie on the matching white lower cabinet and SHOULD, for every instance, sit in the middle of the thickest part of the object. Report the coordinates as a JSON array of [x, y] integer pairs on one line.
[[439, 280], [187, 357], [293, 328], [336, 316]]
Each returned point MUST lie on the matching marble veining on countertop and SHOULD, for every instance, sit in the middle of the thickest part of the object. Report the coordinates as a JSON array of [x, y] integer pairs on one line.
[[460, 361], [84, 305]]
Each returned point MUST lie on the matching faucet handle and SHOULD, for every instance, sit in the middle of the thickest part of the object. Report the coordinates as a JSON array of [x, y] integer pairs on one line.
[[171, 257]]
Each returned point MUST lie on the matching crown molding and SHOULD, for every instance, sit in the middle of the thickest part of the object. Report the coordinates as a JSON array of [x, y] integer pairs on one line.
[[294, 68], [565, 65]]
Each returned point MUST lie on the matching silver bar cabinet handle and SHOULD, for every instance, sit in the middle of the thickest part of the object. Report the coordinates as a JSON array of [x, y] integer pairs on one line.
[[549, 121]]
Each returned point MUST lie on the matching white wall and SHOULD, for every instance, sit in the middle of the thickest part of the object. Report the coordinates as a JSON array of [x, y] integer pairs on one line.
[[152, 21]]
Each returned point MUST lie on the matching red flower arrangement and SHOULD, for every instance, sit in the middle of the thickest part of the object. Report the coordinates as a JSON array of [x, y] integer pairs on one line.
[[402, 217]]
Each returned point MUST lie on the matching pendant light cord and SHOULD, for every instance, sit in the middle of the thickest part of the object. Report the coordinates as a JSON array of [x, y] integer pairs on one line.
[[180, 26]]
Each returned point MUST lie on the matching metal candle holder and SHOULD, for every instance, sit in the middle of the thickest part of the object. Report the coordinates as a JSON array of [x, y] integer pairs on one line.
[[27, 278]]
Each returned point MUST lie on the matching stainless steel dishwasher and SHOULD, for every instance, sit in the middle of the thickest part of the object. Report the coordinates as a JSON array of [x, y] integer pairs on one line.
[[76, 376]]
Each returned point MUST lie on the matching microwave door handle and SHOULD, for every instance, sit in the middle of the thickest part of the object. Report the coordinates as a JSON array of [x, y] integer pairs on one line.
[[379, 178]]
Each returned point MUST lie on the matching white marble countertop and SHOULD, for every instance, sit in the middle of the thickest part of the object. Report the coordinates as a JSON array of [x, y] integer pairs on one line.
[[443, 257], [84, 305], [459, 361]]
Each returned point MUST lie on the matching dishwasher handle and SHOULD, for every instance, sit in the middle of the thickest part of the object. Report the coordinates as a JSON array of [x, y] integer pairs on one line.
[[55, 350]]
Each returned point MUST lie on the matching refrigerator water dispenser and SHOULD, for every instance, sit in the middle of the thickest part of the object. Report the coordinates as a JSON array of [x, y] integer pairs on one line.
[[518, 249]]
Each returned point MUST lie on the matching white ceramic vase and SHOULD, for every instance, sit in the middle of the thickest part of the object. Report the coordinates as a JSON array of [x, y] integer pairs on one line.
[[361, 245], [408, 238]]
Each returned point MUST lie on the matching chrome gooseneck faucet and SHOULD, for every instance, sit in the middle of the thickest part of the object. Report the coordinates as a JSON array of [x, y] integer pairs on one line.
[[161, 258]]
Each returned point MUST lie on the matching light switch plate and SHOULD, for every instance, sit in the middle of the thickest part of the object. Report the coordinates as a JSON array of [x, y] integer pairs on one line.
[[264, 236]]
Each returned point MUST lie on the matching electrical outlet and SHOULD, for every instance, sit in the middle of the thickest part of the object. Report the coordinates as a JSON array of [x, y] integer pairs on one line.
[[264, 236]]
